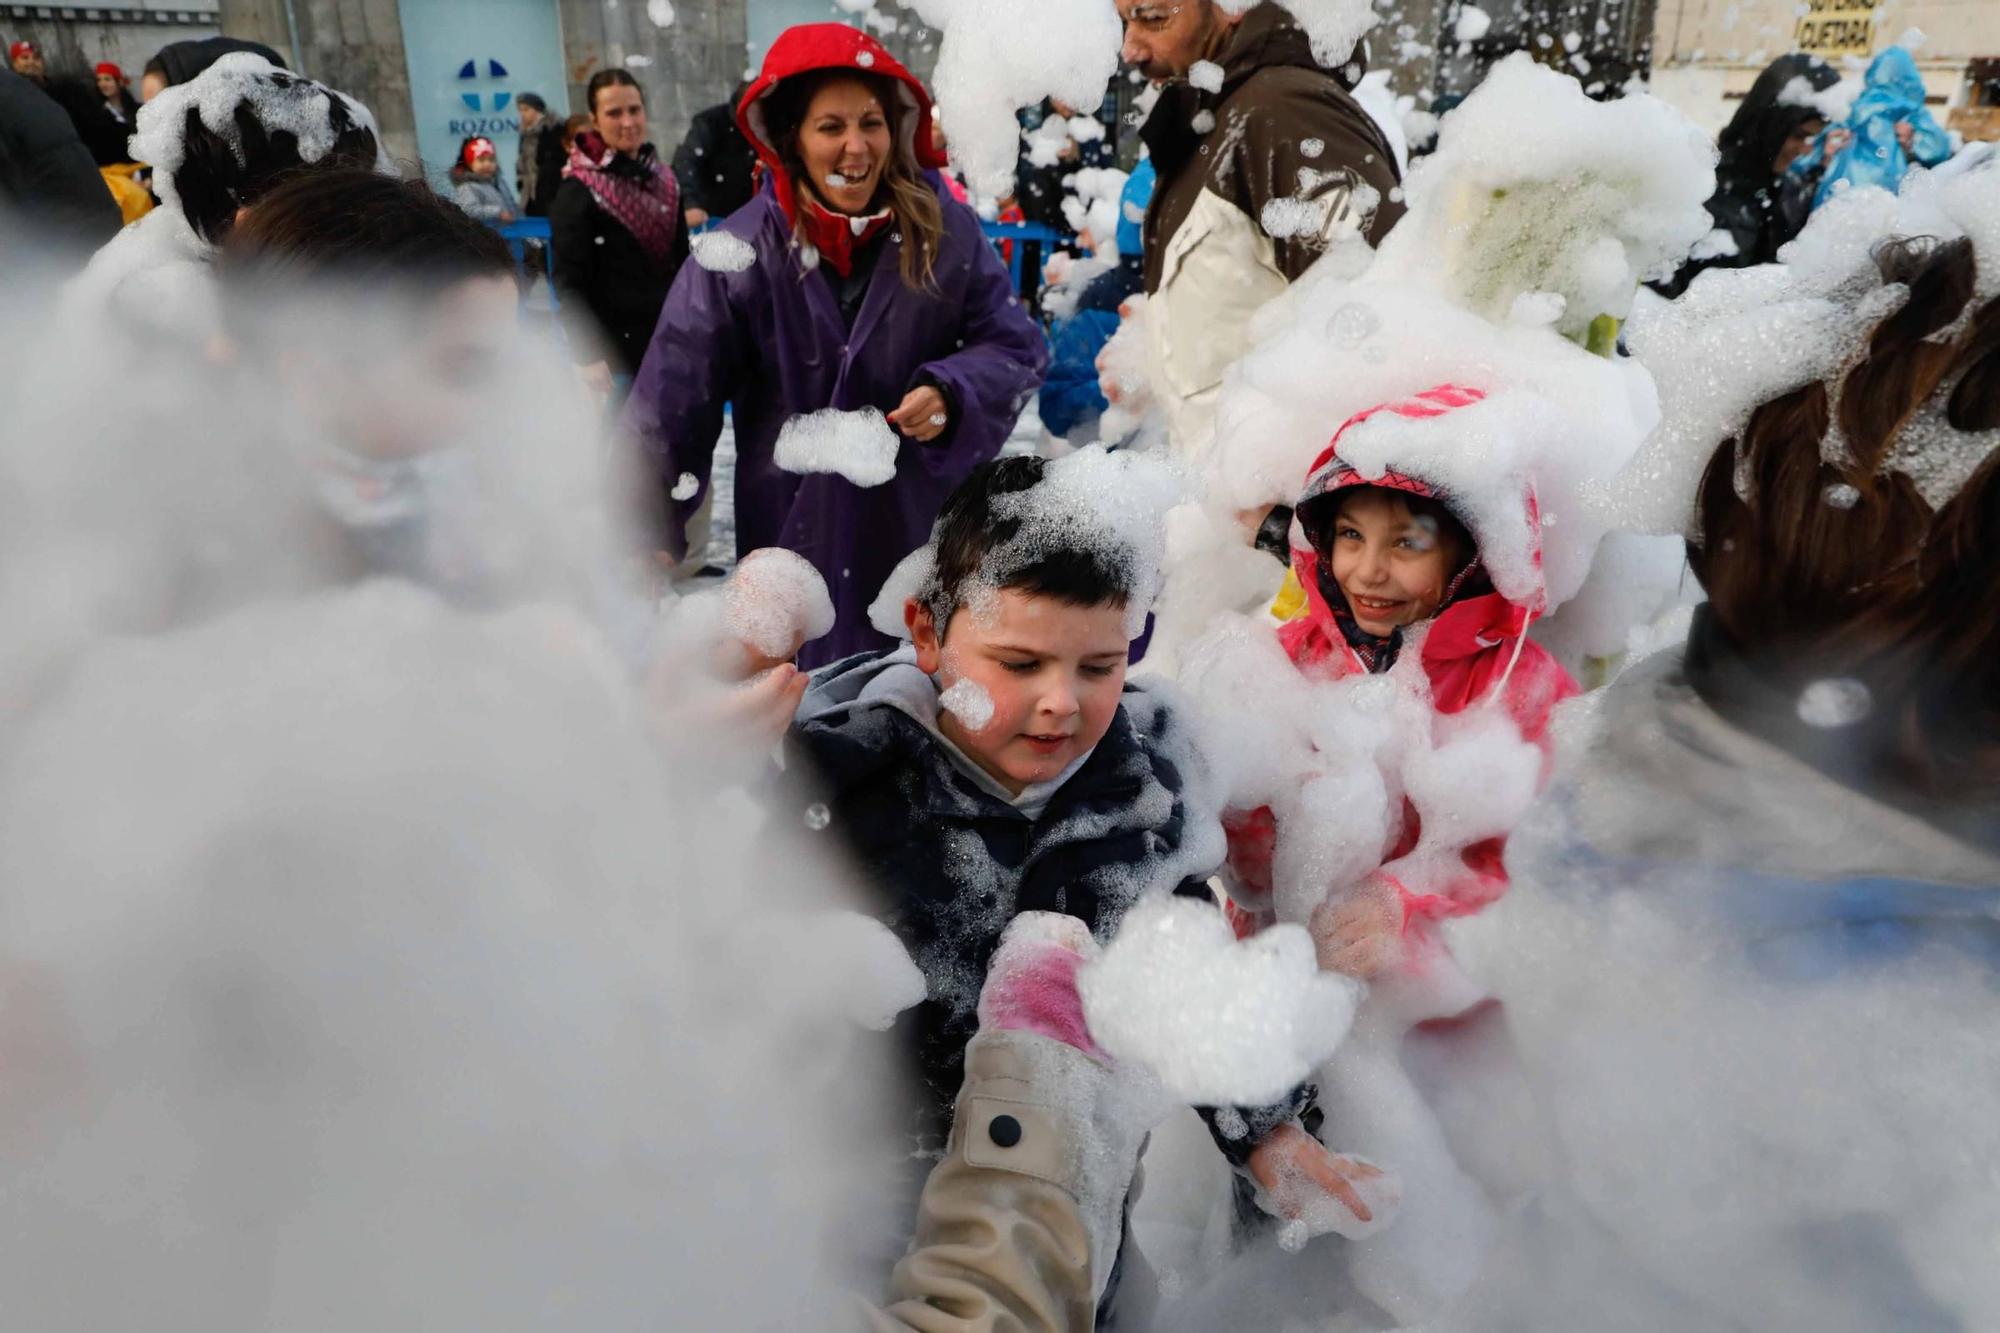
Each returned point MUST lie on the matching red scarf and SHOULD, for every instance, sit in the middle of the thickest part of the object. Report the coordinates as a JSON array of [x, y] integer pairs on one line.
[[640, 193], [834, 235]]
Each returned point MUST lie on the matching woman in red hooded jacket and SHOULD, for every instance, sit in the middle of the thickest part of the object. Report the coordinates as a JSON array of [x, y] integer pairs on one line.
[[1386, 556], [851, 280]]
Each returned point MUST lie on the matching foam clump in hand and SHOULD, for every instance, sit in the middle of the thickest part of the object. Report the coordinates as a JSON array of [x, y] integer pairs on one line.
[[1219, 1021], [774, 601], [720, 252], [859, 446]]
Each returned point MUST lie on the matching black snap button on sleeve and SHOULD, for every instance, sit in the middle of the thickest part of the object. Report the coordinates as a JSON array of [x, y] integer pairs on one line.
[[1004, 1131]]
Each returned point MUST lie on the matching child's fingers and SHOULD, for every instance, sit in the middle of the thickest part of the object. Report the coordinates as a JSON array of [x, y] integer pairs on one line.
[[1327, 1176]]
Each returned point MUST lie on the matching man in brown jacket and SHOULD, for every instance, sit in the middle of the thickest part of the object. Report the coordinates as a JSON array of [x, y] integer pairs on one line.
[[1264, 161]]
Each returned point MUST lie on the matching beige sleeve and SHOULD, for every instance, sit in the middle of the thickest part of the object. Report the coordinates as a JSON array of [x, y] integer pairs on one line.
[[1004, 1239]]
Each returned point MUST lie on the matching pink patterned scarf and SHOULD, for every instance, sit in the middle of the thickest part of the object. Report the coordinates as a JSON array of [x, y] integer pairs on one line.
[[637, 191]]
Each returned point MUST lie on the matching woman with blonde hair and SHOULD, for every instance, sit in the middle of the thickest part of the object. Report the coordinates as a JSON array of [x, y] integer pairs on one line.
[[851, 281]]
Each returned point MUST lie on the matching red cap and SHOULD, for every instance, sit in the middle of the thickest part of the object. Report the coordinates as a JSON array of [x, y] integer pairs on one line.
[[473, 148], [106, 67], [19, 49]]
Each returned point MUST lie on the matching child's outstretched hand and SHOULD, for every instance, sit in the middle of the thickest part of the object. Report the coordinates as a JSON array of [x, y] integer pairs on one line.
[[761, 710], [1316, 1191], [1359, 931], [751, 715]]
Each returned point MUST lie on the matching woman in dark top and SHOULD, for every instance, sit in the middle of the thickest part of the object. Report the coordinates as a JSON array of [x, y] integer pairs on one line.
[[617, 233]]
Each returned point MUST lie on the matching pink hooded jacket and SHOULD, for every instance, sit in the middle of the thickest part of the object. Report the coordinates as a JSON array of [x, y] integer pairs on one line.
[[1475, 648]]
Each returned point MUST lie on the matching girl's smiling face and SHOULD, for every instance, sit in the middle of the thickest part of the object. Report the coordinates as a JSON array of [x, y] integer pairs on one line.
[[1392, 563]]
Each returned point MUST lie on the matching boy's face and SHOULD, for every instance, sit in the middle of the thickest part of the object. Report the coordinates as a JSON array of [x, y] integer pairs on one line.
[[1053, 670], [1390, 563]]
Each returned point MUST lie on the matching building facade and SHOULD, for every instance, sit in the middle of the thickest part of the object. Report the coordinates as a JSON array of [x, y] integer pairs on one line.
[[1706, 53], [74, 38], [438, 71]]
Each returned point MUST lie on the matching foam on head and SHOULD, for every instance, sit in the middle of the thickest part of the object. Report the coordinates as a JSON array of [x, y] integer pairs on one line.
[[282, 102], [1095, 515]]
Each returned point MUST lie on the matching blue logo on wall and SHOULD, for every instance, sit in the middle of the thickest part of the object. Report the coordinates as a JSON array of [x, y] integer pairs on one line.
[[495, 70], [486, 107]]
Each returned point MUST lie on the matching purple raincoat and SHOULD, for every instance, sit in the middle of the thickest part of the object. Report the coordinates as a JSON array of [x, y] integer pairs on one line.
[[770, 341]]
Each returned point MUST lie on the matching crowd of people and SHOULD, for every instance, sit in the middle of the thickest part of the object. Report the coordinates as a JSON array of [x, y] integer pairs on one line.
[[939, 648]]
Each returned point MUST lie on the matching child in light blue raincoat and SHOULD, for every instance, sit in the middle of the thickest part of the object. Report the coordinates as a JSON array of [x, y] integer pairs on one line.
[[1875, 151]]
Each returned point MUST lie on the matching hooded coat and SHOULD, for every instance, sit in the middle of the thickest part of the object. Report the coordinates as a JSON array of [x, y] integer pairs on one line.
[[1282, 131], [1754, 208], [1473, 649], [772, 341], [1892, 93]]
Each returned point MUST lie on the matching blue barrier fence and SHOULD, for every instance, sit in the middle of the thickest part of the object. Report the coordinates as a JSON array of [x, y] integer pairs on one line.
[[1013, 240], [518, 233]]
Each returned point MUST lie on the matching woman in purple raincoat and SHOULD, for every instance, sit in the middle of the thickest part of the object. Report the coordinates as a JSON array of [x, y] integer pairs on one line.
[[870, 287]]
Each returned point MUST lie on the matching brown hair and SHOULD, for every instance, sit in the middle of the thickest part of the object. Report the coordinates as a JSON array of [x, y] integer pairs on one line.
[[609, 78], [358, 225], [918, 214], [1822, 557]]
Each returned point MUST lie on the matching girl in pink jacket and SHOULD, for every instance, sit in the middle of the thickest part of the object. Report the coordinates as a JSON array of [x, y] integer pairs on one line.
[[1383, 556]]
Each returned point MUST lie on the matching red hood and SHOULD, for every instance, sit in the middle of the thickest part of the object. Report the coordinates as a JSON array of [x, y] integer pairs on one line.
[[1474, 643], [1520, 535], [811, 46]]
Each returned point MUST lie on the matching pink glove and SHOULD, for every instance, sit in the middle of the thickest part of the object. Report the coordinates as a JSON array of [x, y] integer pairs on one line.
[[1031, 983]]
